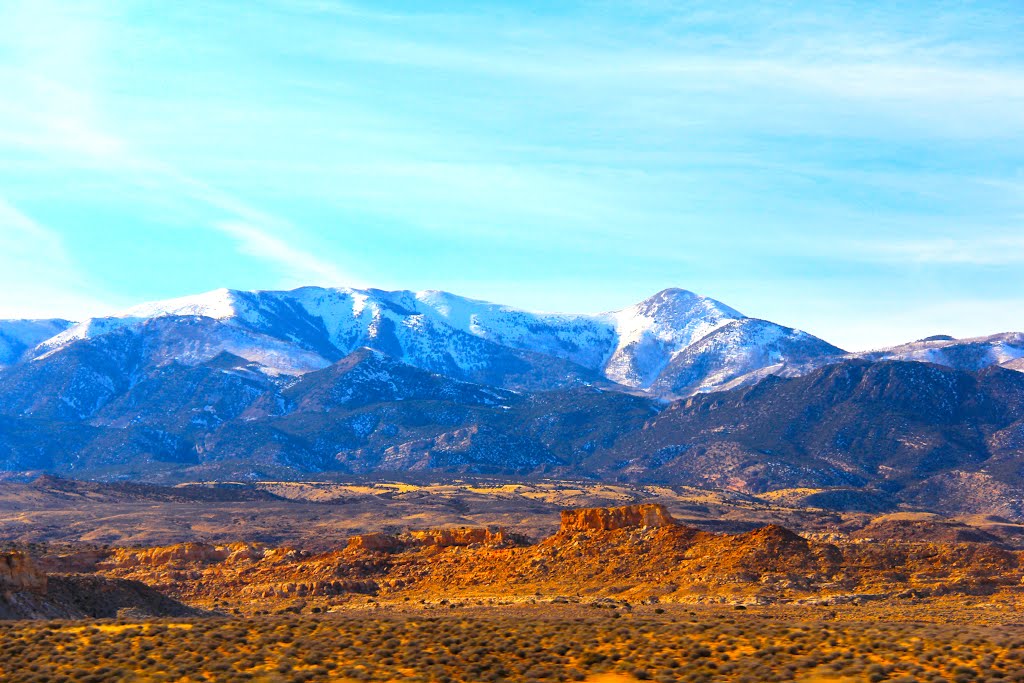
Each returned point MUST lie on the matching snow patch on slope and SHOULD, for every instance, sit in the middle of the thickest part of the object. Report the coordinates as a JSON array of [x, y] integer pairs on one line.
[[18, 336], [218, 304], [749, 348], [963, 354], [579, 338]]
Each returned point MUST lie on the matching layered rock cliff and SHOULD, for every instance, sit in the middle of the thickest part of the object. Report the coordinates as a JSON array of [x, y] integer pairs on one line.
[[609, 519]]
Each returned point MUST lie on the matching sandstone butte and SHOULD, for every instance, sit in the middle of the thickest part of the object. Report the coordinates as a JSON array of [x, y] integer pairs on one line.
[[634, 553], [609, 519]]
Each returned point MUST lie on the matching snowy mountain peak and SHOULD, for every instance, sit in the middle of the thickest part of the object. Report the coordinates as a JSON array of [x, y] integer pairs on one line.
[[218, 304], [652, 332], [675, 303]]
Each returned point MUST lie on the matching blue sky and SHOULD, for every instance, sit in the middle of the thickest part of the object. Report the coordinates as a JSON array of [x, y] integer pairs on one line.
[[849, 169]]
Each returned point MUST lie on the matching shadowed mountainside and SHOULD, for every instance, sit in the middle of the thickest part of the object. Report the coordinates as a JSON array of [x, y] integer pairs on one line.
[[873, 434]]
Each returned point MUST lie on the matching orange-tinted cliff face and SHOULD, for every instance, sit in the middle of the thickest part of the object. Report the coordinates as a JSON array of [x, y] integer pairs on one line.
[[609, 519], [446, 537]]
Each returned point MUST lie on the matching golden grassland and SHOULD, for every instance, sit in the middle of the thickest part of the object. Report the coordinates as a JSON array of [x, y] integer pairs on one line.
[[538, 643]]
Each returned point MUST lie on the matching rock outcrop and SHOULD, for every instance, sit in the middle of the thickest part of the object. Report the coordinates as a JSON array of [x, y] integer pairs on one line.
[[19, 573], [923, 531], [769, 549], [26, 592], [172, 555], [75, 562], [377, 543], [302, 589], [461, 536], [434, 538], [609, 519], [635, 553]]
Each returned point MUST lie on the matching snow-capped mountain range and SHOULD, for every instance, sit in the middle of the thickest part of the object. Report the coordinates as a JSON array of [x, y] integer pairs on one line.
[[677, 389], [675, 343]]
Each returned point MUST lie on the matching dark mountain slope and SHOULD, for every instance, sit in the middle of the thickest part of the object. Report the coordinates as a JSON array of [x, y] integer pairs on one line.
[[17, 337], [886, 424], [366, 376], [74, 382], [189, 398], [225, 418]]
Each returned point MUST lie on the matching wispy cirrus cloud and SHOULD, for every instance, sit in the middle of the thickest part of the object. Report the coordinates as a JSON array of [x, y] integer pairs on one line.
[[301, 267], [60, 112], [38, 278], [981, 250], [19, 228], [795, 55]]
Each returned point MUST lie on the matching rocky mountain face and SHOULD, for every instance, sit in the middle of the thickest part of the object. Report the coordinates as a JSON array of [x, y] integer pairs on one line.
[[18, 573], [367, 414], [861, 435], [897, 428], [581, 520]]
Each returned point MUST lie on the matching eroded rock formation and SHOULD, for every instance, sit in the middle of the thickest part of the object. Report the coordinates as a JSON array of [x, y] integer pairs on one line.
[[435, 538], [27, 592], [182, 553], [461, 536], [633, 553], [377, 542], [19, 573], [609, 519]]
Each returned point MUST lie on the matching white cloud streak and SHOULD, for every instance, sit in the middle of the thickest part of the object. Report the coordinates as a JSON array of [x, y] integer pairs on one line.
[[17, 229], [977, 251], [299, 265], [61, 116], [37, 276]]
